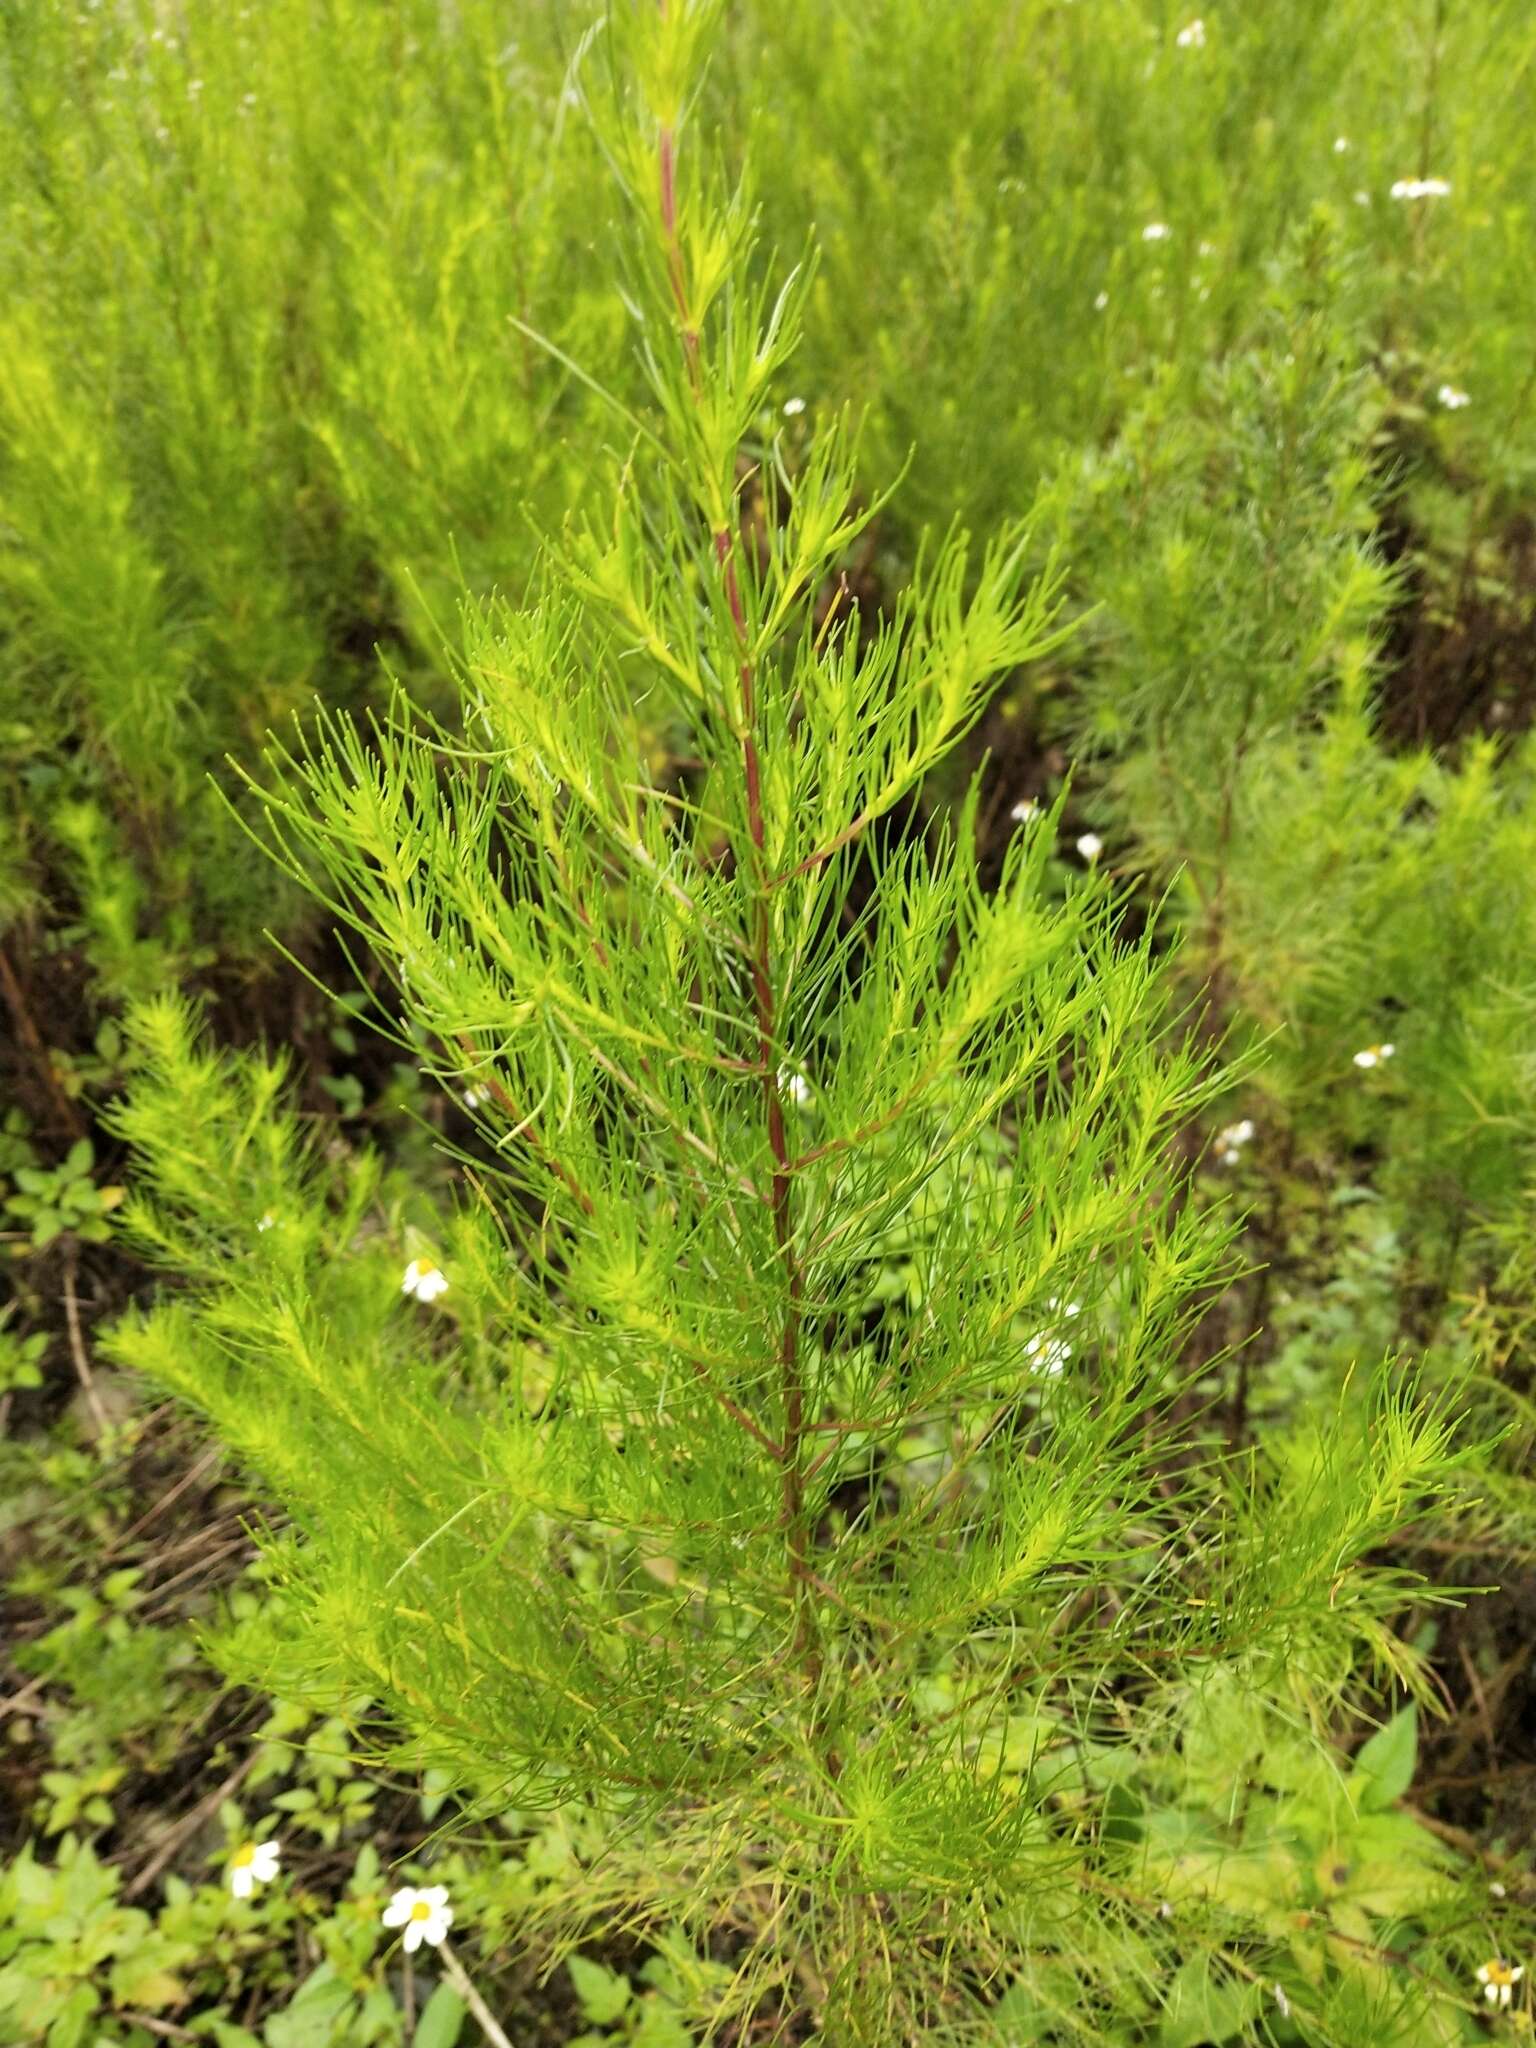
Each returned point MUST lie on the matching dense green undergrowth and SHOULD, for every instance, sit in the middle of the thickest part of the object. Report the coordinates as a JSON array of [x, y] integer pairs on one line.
[[1164, 852]]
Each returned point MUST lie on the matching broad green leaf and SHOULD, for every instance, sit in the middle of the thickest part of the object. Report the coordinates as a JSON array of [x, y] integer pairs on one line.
[[441, 2018], [314, 2018], [603, 1993], [1384, 1768], [1204, 2008]]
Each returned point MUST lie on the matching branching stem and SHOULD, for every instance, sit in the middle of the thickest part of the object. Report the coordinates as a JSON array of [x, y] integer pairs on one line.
[[753, 868]]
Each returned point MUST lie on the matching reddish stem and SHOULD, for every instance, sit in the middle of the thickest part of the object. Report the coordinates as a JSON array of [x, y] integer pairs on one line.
[[790, 1449]]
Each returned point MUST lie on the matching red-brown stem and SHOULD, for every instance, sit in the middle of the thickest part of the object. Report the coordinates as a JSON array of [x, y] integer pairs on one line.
[[790, 1448], [667, 154], [780, 1187]]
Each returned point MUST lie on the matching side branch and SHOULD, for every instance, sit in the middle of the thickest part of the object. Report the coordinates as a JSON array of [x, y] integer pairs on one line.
[[525, 1130]]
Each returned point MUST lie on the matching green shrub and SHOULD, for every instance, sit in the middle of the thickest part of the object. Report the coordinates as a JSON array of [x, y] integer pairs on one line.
[[789, 1454], [259, 395]]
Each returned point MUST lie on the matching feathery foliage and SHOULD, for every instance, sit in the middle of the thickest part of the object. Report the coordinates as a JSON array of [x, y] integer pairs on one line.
[[863, 1606]]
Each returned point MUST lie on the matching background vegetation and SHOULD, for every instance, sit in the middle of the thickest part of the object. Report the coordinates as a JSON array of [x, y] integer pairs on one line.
[[309, 314]]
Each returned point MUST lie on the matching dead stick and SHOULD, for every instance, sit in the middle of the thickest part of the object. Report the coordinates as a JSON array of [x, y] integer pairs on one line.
[[16, 1003], [471, 1997], [77, 1348]]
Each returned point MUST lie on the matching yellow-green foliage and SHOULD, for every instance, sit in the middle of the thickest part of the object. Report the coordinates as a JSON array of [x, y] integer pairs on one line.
[[628, 1512], [261, 403]]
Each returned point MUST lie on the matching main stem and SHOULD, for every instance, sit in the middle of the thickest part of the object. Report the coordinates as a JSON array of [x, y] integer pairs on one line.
[[760, 953]]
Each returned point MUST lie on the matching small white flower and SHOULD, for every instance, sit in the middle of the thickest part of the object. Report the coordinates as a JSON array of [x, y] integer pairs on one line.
[[1025, 811], [796, 1087], [253, 1863], [1090, 846], [1452, 399], [1101, 302], [1165, 1909], [424, 1280], [1498, 1980], [1362, 199], [1049, 1355], [425, 1915], [1231, 1140], [1374, 1055], [1192, 37], [1282, 2003], [1497, 1891], [476, 1098], [1420, 188], [793, 407], [1340, 144], [1156, 231], [266, 1220]]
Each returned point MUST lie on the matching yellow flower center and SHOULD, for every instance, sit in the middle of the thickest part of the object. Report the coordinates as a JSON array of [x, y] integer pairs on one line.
[[244, 1855], [421, 1910], [425, 1270], [1501, 1973]]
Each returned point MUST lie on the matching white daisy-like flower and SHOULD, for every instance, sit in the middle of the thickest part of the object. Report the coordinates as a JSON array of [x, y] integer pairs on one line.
[[253, 1863], [424, 1280], [796, 1087], [1048, 1355], [1192, 37], [425, 1914], [1090, 846], [793, 407], [1340, 144], [1452, 399], [1499, 1979], [1374, 1055], [1156, 231], [1025, 811], [1421, 188]]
